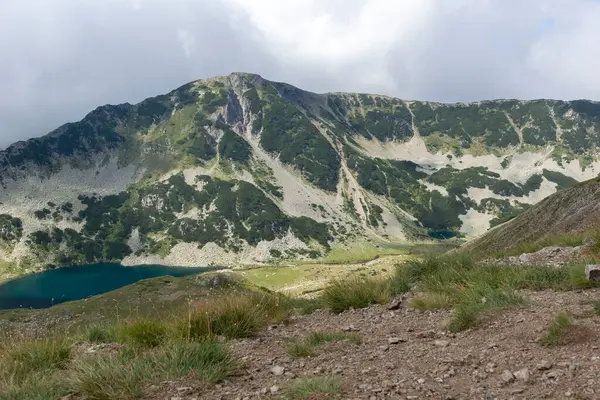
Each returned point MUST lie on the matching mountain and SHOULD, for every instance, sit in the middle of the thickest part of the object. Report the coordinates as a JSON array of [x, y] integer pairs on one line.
[[571, 212], [241, 169]]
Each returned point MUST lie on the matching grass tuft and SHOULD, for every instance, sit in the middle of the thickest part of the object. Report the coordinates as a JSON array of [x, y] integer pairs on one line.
[[432, 301], [234, 315], [121, 376], [457, 281], [143, 332], [100, 334], [110, 377], [307, 346], [319, 338], [558, 329], [27, 358], [304, 388], [356, 293], [301, 348], [37, 386]]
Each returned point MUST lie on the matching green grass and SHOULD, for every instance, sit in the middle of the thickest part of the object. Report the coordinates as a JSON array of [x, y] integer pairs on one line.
[[457, 282], [100, 334], [21, 360], [304, 388], [356, 292], [572, 239], [306, 347], [28, 369], [234, 315], [143, 332], [110, 377], [301, 348], [597, 307], [318, 338], [432, 301], [126, 376], [304, 306], [35, 387], [558, 329]]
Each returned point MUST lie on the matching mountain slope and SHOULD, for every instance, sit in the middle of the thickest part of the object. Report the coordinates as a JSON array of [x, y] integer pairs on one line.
[[570, 211], [240, 169]]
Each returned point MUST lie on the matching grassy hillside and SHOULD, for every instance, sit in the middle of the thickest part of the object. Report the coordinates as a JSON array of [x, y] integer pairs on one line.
[[571, 212]]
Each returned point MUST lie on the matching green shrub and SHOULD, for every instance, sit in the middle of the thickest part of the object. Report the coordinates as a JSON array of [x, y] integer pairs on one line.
[[356, 293], [145, 333], [304, 388]]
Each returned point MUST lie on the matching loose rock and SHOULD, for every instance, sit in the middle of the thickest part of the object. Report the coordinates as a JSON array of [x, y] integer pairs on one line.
[[277, 370]]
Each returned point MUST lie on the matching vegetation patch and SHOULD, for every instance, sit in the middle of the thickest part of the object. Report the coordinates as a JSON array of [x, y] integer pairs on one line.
[[233, 315], [563, 330], [305, 388], [356, 292], [306, 347], [289, 134], [458, 282]]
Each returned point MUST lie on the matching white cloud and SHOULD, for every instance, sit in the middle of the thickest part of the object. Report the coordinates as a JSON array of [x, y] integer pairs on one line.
[[61, 58], [187, 42]]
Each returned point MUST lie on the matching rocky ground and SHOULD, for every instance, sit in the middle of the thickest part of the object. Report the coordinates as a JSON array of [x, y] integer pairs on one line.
[[549, 256], [407, 354]]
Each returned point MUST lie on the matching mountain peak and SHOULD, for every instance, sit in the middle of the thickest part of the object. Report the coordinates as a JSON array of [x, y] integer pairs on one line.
[[239, 169]]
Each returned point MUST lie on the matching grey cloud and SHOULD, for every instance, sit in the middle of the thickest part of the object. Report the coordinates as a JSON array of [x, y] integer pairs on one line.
[[62, 58]]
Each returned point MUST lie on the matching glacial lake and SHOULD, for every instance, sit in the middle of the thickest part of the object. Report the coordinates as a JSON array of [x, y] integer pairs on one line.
[[43, 289]]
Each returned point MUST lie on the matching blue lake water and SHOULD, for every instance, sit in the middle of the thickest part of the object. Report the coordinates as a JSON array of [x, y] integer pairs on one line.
[[56, 286]]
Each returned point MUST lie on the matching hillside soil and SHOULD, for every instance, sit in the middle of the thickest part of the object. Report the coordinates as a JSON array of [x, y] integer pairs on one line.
[[407, 354]]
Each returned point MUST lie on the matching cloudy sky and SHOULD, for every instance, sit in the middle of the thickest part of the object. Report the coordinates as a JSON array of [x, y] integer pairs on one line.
[[62, 58]]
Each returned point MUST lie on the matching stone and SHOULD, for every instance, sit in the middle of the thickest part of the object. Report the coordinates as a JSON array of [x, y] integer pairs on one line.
[[544, 365], [349, 328], [441, 343], [274, 389], [592, 272], [426, 334], [396, 340], [507, 376], [277, 370], [394, 305], [522, 375]]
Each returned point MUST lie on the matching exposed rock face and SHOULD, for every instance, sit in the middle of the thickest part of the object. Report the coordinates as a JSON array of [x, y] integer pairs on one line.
[[240, 169], [592, 272], [552, 256]]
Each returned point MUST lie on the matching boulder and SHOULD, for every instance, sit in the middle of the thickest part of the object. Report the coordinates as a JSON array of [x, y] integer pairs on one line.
[[592, 272]]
